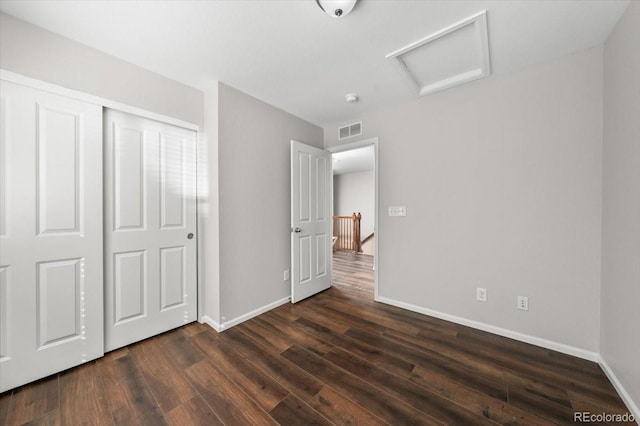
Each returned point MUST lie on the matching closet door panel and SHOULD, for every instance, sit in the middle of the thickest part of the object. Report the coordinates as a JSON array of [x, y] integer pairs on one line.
[[128, 178], [150, 226], [58, 170], [51, 282]]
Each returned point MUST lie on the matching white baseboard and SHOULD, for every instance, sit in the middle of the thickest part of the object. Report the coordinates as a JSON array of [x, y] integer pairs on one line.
[[210, 322], [626, 398], [219, 327], [242, 318], [559, 347]]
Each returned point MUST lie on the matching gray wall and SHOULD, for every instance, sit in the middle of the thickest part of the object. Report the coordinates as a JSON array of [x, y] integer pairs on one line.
[[34, 52], [254, 140], [250, 178], [620, 310], [353, 193], [502, 179]]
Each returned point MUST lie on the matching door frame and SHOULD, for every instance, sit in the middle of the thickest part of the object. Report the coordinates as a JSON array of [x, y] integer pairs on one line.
[[376, 223]]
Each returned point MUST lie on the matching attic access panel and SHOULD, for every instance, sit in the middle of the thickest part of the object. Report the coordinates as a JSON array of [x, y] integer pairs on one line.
[[452, 56]]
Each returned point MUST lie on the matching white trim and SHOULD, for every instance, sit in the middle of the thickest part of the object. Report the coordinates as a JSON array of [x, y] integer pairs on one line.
[[559, 347], [479, 21], [455, 80], [626, 398], [376, 227], [96, 100], [242, 318], [210, 322]]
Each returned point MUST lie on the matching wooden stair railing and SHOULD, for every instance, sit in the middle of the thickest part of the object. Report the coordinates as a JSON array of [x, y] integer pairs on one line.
[[347, 231], [367, 238]]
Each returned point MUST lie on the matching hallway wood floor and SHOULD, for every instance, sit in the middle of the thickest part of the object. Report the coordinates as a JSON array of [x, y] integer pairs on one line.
[[336, 358]]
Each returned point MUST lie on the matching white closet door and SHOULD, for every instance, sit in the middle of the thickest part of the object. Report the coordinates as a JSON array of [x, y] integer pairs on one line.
[[150, 227], [51, 283]]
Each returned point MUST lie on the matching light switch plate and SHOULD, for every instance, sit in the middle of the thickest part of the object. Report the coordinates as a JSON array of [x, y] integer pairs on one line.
[[481, 294], [397, 210]]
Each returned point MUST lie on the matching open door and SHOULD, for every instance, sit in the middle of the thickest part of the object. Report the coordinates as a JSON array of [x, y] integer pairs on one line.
[[310, 221]]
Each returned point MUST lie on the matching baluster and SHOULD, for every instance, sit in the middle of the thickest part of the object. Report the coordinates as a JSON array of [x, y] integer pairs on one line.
[[358, 237]]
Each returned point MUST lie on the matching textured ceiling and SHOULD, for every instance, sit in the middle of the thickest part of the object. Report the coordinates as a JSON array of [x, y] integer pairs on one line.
[[290, 54]]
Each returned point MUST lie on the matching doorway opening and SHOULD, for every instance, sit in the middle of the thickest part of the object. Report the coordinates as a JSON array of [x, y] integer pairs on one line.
[[355, 216]]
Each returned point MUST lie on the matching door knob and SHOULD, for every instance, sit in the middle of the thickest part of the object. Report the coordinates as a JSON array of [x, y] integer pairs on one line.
[[190, 235], [297, 230]]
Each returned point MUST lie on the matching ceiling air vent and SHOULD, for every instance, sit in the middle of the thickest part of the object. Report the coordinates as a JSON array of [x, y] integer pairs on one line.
[[350, 130]]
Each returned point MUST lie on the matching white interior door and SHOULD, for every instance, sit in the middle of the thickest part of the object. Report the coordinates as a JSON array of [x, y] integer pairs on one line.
[[51, 283], [310, 221], [150, 227]]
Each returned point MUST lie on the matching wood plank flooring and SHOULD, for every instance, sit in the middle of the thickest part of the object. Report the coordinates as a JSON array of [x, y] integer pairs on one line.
[[336, 358]]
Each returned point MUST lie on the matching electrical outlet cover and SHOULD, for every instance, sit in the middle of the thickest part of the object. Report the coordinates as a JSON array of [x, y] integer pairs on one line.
[[523, 303]]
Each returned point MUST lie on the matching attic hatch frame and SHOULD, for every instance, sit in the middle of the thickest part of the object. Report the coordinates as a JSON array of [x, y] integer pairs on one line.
[[479, 22]]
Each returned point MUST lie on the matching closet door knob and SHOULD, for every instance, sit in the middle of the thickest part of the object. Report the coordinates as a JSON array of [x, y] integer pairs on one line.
[[190, 235]]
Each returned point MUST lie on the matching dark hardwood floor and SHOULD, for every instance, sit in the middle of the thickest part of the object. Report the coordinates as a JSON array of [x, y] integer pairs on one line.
[[336, 358]]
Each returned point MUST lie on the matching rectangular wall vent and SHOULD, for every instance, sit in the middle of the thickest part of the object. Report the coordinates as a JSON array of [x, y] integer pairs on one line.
[[350, 130]]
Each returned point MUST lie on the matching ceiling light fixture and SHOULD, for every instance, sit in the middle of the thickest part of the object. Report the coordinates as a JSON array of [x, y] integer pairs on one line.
[[351, 98], [336, 8]]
